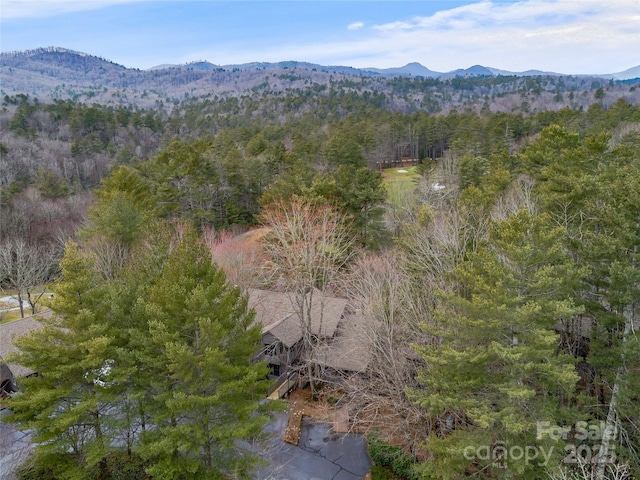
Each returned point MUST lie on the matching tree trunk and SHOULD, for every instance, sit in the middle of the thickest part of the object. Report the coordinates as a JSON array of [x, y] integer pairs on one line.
[[103, 469], [611, 425], [21, 306], [34, 299]]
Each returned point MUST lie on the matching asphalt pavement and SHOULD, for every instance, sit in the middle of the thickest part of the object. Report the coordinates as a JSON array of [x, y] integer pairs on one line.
[[14, 448], [320, 454]]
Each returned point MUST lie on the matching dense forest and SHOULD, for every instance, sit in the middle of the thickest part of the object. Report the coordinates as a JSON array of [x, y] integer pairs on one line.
[[500, 283]]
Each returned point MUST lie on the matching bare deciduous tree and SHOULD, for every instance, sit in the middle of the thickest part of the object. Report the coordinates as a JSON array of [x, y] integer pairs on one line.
[[26, 268], [440, 241], [519, 196], [108, 255], [308, 244], [380, 292], [586, 470]]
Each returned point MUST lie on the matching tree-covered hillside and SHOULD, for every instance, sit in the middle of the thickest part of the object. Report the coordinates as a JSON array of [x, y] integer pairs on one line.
[[56, 73]]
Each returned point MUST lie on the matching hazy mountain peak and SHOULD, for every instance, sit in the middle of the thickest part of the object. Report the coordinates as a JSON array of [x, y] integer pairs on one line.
[[630, 73], [60, 56], [201, 65], [413, 69]]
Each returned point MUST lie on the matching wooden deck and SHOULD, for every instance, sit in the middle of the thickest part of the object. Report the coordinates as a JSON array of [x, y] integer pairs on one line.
[[283, 386]]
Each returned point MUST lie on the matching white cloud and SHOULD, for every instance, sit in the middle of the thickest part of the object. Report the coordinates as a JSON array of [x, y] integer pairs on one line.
[[566, 36], [45, 8], [394, 26]]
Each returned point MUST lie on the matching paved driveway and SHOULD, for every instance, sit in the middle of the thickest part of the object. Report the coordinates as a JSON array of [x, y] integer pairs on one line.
[[320, 455], [14, 448]]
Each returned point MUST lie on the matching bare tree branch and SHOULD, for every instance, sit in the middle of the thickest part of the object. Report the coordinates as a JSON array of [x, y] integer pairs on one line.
[[308, 245], [26, 268]]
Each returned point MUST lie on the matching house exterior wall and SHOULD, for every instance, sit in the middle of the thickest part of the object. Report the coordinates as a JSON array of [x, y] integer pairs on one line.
[[7, 381]]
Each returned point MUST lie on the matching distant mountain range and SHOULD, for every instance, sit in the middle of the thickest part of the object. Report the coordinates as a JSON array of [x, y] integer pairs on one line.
[[413, 69], [59, 73]]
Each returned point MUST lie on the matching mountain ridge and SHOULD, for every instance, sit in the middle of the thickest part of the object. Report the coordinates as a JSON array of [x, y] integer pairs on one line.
[[55, 73], [412, 69]]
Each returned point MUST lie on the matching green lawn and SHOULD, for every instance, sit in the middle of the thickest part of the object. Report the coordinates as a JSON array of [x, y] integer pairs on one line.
[[399, 182], [6, 317], [400, 173]]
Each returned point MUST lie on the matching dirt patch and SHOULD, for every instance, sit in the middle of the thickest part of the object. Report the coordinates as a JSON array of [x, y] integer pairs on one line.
[[341, 422], [253, 237], [323, 409], [319, 409]]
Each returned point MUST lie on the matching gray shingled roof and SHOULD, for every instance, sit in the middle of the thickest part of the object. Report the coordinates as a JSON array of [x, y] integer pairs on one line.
[[11, 330], [349, 349], [277, 313]]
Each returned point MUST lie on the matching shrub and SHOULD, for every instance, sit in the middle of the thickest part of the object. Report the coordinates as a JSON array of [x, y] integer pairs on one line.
[[379, 472], [386, 455]]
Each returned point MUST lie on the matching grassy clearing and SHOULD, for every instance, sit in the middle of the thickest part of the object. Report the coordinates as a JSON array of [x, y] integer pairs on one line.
[[400, 173], [10, 316], [400, 182]]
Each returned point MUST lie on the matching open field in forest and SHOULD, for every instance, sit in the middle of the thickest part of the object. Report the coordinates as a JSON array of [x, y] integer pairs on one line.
[[399, 182], [9, 316]]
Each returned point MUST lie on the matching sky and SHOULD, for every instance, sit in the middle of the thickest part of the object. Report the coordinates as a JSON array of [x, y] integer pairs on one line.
[[564, 36]]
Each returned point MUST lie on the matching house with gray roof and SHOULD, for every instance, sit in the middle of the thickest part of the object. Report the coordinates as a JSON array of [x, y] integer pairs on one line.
[[282, 333], [11, 372], [341, 348]]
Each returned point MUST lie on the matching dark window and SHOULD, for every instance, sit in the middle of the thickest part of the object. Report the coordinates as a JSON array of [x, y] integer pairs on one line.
[[274, 370]]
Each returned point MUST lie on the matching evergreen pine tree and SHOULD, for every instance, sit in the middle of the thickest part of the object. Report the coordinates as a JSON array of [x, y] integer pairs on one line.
[[493, 368]]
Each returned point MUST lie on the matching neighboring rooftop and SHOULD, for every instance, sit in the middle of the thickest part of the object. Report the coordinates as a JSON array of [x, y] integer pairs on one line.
[[8, 332]]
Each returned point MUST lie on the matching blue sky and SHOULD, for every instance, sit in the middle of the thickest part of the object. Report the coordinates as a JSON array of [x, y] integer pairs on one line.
[[566, 36]]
